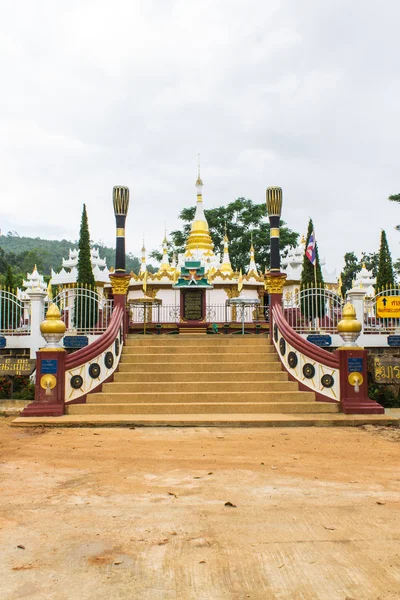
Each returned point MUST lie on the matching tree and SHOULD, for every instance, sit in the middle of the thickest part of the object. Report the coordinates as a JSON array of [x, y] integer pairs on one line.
[[395, 198], [350, 270], [371, 261], [85, 272], [242, 219], [86, 307], [313, 303], [385, 277]]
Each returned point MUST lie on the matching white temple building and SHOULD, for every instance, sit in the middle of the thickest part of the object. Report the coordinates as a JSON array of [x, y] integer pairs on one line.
[[365, 281], [198, 268], [69, 271], [292, 265]]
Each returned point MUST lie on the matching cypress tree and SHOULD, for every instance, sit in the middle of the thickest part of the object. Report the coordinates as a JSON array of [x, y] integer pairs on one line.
[[385, 277], [86, 307], [312, 304], [85, 273]]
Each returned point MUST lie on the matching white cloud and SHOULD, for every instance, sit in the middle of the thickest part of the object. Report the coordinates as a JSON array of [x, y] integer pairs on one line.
[[298, 94]]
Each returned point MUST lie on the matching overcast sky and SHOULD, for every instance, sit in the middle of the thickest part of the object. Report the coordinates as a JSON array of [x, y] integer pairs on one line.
[[304, 94]]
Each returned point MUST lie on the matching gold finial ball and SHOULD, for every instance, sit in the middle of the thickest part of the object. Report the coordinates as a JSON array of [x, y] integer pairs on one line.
[[52, 323], [349, 322]]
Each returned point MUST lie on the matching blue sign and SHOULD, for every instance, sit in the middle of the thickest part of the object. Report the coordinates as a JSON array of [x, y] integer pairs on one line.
[[75, 341], [320, 340], [355, 365], [392, 340], [49, 366], [3, 342]]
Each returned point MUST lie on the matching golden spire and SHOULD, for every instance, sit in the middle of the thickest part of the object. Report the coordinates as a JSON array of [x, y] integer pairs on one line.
[[199, 183], [226, 266], [252, 266], [165, 266], [199, 234], [143, 266]]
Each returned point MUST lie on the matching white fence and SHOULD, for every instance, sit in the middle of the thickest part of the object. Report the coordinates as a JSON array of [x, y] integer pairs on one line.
[[84, 310], [313, 309], [215, 313], [15, 317]]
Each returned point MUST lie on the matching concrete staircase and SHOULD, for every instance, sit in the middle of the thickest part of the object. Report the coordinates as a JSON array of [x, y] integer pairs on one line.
[[200, 379]]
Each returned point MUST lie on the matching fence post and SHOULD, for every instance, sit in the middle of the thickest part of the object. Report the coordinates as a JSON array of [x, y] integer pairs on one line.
[[356, 296], [37, 315]]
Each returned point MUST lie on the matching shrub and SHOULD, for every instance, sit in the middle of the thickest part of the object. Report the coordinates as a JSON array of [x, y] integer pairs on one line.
[[384, 395]]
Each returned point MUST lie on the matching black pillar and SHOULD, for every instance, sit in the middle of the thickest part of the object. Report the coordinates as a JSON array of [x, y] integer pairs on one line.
[[274, 208], [121, 203]]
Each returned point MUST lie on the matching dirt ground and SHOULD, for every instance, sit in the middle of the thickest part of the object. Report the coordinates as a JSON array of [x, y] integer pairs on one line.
[[202, 514]]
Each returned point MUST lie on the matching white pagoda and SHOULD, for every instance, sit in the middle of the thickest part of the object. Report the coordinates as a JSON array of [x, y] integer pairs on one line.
[[69, 271]]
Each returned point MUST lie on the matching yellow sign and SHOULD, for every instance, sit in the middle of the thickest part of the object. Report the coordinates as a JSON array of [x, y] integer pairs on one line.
[[388, 307]]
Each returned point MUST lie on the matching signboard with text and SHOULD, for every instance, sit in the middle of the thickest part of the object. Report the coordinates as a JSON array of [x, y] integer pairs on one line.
[[16, 366], [386, 369], [388, 307]]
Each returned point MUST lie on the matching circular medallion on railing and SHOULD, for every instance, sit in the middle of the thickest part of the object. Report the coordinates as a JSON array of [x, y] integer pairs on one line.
[[282, 346], [94, 370], [292, 360], [308, 371], [116, 347], [327, 380], [276, 333], [108, 360], [76, 382]]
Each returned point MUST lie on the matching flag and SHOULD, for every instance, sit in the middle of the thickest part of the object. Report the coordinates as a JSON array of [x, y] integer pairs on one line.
[[49, 292], [310, 252], [145, 282], [339, 286], [240, 281]]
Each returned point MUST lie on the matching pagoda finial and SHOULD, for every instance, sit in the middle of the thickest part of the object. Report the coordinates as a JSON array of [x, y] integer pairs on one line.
[[252, 266], [165, 266], [199, 183], [226, 233], [165, 241], [143, 266]]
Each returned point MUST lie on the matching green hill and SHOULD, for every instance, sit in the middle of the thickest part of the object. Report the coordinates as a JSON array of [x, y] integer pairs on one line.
[[22, 253]]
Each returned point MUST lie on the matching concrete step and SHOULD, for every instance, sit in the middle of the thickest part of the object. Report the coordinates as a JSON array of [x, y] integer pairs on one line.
[[184, 397], [200, 358], [170, 408], [181, 377], [200, 386], [204, 420], [193, 350], [207, 340], [203, 368]]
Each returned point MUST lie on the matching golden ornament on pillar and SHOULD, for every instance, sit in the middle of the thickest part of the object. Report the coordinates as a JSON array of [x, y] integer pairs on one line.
[[349, 327], [53, 329], [274, 284], [120, 284]]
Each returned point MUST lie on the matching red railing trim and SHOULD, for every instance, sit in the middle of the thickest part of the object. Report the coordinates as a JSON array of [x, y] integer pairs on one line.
[[302, 345], [102, 343]]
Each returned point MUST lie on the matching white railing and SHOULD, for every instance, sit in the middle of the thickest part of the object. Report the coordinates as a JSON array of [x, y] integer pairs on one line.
[[84, 310], [215, 313], [313, 309], [373, 323], [15, 317]]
